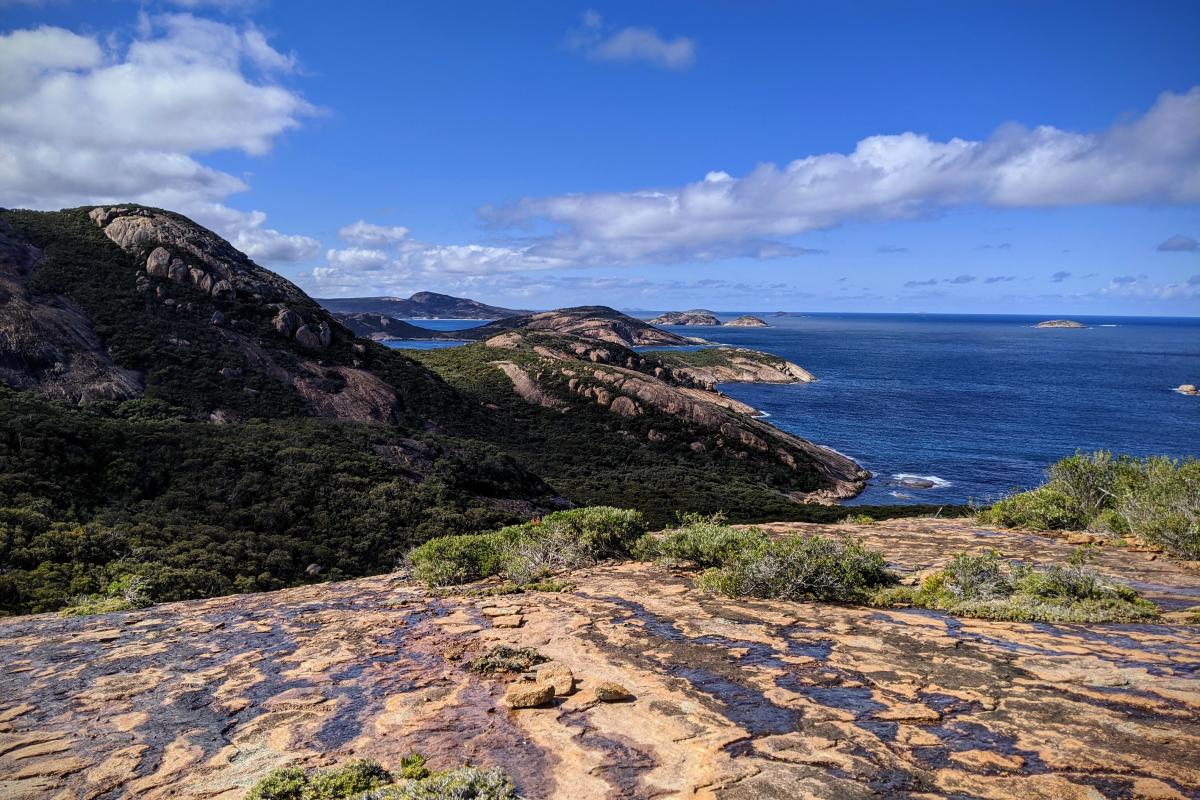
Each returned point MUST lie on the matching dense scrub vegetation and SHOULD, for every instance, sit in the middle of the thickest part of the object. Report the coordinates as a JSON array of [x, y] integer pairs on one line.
[[532, 551], [127, 503], [747, 562], [364, 779], [986, 585], [1156, 500]]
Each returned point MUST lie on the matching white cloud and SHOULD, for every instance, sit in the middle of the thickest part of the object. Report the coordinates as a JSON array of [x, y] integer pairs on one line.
[[1153, 159], [1141, 288], [89, 121], [364, 234], [630, 44]]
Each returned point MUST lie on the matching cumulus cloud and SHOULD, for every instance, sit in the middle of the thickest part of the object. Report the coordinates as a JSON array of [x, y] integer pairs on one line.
[[89, 120], [595, 40], [365, 234], [1154, 158], [1179, 244]]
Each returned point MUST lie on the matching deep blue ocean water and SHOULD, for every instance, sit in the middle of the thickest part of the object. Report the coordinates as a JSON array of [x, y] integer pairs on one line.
[[982, 404]]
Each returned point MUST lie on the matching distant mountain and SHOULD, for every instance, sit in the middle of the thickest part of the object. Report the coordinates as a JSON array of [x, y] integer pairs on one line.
[[422, 305], [383, 328], [599, 323]]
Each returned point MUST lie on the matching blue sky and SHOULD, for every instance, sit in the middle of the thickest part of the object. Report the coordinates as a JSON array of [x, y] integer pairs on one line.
[[548, 154]]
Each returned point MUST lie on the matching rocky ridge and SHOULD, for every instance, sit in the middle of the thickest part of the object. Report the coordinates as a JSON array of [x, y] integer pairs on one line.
[[552, 371], [421, 305], [599, 323], [725, 699]]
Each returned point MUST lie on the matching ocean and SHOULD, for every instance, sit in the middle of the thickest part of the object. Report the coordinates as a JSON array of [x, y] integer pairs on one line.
[[977, 405]]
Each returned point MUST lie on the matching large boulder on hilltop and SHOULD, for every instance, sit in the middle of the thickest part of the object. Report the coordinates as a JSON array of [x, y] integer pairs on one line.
[[286, 322], [136, 229], [158, 263]]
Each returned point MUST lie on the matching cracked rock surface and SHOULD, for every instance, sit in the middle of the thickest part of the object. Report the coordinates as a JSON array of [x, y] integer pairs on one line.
[[728, 698]]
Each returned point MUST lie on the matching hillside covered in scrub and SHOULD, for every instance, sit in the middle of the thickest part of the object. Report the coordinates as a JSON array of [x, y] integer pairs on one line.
[[173, 416]]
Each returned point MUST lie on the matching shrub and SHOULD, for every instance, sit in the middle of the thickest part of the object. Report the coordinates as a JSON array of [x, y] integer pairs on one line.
[[602, 531], [989, 586], [284, 783], [412, 766], [708, 542], [347, 781], [1161, 505], [1044, 508], [463, 783], [531, 552], [451, 560], [1155, 499], [859, 519], [807, 567]]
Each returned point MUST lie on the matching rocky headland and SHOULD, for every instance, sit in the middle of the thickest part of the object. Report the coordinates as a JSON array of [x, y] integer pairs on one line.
[[719, 698], [422, 305], [714, 365], [599, 323]]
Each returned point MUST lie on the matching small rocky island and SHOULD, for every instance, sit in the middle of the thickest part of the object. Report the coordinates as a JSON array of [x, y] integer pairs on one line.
[[747, 321], [1188, 389], [697, 316], [1060, 323]]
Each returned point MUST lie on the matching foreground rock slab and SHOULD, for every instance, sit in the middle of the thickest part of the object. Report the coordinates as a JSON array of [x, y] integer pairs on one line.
[[736, 700]]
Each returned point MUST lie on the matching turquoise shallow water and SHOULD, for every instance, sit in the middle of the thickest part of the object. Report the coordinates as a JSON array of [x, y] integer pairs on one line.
[[979, 404]]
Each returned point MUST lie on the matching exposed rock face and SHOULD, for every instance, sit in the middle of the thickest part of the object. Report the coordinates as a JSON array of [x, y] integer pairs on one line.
[[735, 700], [138, 229], [600, 323], [630, 386], [694, 317], [747, 322], [46, 343], [732, 365], [1060, 323]]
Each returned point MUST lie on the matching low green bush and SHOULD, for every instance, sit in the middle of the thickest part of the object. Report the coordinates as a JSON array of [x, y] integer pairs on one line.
[[988, 585], [859, 519], [364, 779], [1155, 499], [805, 567], [707, 542], [1045, 508], [533, 552]]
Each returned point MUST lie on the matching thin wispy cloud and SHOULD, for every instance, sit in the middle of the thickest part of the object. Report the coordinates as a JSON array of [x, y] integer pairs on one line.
[[887, 248], [999, 278], [601, 42], [1060, 276], [1179, 244]]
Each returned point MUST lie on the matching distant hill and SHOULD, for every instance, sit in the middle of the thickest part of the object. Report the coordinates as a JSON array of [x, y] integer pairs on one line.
[[422, 305], [174, 416], [697, 316], [383, 328], [600, 323]]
